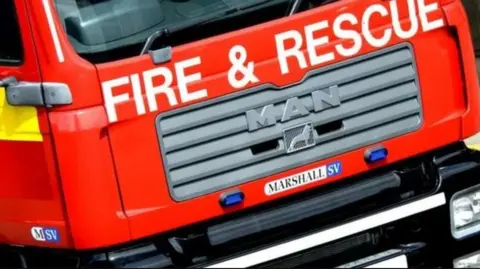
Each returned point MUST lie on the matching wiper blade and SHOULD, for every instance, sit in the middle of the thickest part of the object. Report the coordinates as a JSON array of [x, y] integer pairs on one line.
[[295, 7], [203, 20]]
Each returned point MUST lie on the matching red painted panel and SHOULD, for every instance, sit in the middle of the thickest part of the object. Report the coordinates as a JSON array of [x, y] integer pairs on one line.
[[29, 194], [112, 175]]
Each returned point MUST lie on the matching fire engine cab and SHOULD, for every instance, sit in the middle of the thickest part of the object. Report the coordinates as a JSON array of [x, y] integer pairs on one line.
[[238, 133]]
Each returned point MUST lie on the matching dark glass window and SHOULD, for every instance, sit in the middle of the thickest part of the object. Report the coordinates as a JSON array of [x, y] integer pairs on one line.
[[11, 50], [108, 30]]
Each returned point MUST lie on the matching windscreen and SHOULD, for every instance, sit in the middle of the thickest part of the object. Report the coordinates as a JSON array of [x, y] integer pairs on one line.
[[107, 30]]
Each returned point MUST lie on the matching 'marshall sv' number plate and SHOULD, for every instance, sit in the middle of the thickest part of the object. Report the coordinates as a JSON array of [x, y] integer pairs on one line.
[[304, 178]]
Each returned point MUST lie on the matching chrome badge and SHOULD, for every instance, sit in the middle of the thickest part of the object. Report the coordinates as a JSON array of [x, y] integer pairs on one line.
[[299, 137]]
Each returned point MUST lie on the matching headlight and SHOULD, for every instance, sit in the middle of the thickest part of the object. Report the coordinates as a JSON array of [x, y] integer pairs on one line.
[[465, 212], [469, 261]]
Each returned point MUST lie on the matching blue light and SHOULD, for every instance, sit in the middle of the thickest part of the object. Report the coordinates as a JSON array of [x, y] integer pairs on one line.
[[232, 198], [377, 154]]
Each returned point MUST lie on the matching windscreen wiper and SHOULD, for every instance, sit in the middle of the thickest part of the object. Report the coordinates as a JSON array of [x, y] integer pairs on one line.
[[191, 23], [295, 7]]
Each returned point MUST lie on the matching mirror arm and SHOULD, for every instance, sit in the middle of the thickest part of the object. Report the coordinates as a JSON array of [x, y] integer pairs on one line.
[[8, 81]]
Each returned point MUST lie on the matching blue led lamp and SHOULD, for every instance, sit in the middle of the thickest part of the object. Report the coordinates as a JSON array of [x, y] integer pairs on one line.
[[231, 198], [376, 154]]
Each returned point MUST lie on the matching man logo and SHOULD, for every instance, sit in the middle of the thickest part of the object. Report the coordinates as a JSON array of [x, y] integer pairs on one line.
[[45, 234], [299, 137], [293, 108]]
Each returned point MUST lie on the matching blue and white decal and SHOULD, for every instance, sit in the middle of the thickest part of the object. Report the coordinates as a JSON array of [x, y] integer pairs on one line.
[[304, 178], [44, 234]]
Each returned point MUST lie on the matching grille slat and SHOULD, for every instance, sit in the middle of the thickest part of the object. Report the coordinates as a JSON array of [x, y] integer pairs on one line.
[[276, 165], [208, 147], [246, 139], [245, 157], [205, 114], [347, 91]]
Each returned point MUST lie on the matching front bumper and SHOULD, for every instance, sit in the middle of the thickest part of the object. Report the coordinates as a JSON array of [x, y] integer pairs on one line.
[[371, 226], [413, 233], [396, 216]]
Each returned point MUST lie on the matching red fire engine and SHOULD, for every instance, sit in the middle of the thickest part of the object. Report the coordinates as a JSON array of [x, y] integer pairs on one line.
[[237, 133]]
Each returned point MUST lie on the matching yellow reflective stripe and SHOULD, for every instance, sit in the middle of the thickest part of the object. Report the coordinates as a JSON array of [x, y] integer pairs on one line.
[[18, 123]]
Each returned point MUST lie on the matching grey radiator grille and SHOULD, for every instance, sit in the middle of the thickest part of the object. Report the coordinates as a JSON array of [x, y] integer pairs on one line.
[[208, 146]]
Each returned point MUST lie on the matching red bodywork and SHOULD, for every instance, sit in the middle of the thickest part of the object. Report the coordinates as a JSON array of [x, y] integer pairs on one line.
[[102, 183]]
